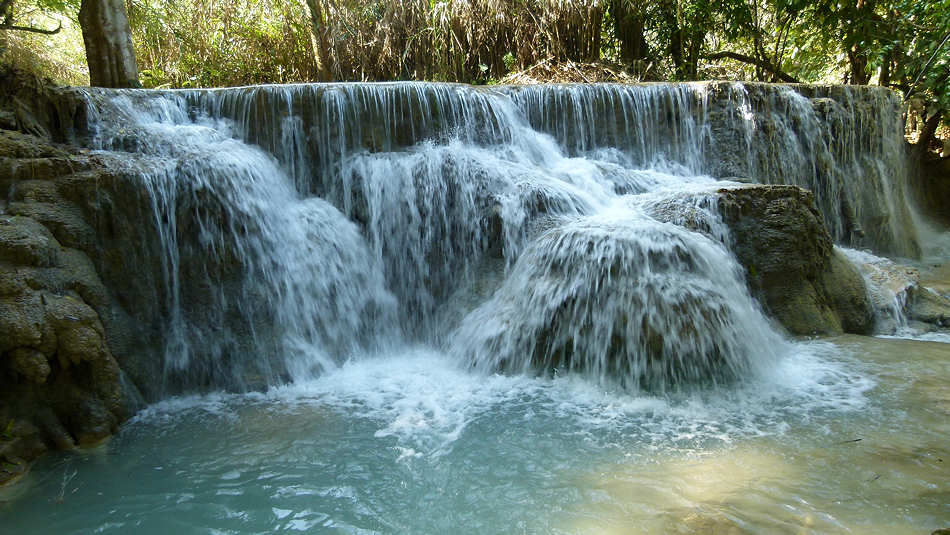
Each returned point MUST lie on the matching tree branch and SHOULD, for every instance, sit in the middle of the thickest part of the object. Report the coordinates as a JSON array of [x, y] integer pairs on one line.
[[31, 29], [757, 62], [927, 135]]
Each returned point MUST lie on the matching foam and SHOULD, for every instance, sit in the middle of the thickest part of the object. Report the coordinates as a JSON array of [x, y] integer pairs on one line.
[[423, 402]]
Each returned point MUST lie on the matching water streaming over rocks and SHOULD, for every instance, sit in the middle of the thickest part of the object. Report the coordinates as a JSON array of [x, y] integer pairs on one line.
[[621, 295], [300, 226], [442, 308]]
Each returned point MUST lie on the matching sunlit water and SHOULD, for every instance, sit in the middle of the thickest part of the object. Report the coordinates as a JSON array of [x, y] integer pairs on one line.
[[304, 232], [840, 437]]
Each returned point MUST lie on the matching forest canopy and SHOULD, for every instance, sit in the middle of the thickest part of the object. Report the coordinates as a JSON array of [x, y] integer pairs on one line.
[[900, 44]]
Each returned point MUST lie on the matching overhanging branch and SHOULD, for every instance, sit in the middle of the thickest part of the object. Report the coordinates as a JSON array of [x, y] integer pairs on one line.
[[757, 62], [31, 29]]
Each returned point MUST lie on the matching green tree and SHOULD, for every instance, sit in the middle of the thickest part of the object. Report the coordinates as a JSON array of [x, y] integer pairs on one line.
[[108, 40], [13, 12]]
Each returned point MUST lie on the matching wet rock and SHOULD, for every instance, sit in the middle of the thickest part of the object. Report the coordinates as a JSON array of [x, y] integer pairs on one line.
[[790, 262], [61, 328], [929, 306], [791, 266], [23, 324], [820, 142], [63, 220], [29, 363], [847, 295], [12, 469], [890, 287], [15, 145], [38, 108], [25, 241], [595, 295]]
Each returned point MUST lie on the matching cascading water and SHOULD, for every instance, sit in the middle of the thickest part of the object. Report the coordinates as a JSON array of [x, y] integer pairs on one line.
[[260, 283], [623, 296], [845, 145], [300, 225], [889, 286], [374, 254]]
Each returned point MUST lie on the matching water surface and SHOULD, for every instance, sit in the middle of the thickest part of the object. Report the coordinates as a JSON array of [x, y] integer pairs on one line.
[[843, 436]]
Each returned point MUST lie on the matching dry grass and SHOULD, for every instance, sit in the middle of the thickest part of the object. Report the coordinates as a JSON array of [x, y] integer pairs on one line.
[[203, 43], [548, 71], [452, 40], [60, 57]]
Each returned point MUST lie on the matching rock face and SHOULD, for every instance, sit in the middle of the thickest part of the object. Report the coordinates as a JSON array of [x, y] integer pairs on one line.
[[844, 144], [59, 382], [790, 261], [33, 106], [932, 182], [929, 306], [63, 333]]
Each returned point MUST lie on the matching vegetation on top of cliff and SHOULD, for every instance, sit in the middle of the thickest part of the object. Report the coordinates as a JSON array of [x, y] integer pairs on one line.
[[901, 44]]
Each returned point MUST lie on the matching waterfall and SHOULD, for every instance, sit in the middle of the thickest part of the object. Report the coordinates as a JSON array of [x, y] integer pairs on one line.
[[621, 295], [261, 283], [299, 226], [889, 285]]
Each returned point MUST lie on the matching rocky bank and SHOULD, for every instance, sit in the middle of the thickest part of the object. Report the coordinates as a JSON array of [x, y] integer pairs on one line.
[[63, 333]]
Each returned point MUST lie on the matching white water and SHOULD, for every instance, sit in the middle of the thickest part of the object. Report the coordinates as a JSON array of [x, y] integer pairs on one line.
[[621, 295], [462, 316], [511, 228], [410, 443]]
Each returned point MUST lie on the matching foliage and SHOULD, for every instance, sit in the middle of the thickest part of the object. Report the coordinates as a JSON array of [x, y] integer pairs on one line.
[[901, 44], [201, 43], [60, 55]]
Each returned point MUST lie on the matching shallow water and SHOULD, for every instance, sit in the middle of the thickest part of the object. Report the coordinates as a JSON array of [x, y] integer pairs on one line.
[[481, 222], [845, 435]]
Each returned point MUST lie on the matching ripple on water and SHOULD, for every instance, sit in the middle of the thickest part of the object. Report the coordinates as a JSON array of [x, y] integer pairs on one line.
[[410, 442]]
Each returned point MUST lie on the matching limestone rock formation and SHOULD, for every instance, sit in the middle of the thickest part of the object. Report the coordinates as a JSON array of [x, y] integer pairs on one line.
[[929, 306], [791, 265], [62, 332], [790, 262], [59, 382], [834, 127]]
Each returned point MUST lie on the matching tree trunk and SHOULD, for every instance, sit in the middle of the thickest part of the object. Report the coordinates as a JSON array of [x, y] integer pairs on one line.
[[108, 40], [321, 41], [862, 24], [859, 67], [927, 135], [628, 29]]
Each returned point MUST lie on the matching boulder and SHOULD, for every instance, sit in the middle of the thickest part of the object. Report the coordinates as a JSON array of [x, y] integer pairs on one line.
[[847, 295], [648, 304], [791, 265], [929, 306]]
